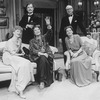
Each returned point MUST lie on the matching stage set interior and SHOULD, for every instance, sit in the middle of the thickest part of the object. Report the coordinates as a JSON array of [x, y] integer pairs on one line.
[[11, 12]]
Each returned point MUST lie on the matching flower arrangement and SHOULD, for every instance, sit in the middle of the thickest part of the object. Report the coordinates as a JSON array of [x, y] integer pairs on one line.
[[94, 22]]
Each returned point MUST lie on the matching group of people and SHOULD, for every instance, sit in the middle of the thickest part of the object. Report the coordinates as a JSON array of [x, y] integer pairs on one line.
[[79, 61], [29, 31], [39, 52]]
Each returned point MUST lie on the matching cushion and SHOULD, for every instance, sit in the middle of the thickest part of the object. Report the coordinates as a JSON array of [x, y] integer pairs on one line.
[[25, 45], [4, 68], [89, 40], [53, 49], [89, 45], [88, 48], [2, 45]]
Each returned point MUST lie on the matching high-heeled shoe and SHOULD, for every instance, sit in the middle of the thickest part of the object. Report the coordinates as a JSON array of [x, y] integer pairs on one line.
[[42, 85], [22, 95]]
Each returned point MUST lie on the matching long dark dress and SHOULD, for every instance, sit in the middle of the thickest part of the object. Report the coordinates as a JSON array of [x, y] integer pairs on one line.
[[44, 64], [28, 32], [80, 67]]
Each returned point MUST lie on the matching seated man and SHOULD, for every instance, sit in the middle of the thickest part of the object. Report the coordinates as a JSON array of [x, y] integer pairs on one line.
[[41, 53]]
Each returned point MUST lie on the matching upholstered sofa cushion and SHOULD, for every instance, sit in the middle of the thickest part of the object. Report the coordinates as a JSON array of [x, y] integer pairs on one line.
[[89, 48], [4, 68], [2, 45], [89, 45]]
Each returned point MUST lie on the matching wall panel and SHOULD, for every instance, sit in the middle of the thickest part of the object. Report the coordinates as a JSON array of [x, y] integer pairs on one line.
[[9, 13]]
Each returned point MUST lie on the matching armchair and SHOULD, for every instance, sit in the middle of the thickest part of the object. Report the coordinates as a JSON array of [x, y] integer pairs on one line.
[[92, 51]]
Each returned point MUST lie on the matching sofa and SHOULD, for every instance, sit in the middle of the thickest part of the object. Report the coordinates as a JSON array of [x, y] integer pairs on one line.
[[6, 71]]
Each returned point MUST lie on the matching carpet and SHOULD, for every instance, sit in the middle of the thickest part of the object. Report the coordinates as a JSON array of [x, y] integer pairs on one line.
[[64, 90]]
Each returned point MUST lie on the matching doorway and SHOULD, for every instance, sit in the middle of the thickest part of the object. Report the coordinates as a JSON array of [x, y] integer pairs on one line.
[[42, 13]]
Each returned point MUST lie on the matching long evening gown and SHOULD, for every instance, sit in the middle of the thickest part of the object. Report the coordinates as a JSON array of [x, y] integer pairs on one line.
[[22, 70], [80, 67]]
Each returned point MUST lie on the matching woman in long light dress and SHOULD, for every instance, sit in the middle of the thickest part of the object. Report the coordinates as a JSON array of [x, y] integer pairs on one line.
[[80, 62], [22, 72]]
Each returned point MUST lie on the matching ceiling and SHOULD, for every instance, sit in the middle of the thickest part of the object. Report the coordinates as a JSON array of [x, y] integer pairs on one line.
[[41, 3]]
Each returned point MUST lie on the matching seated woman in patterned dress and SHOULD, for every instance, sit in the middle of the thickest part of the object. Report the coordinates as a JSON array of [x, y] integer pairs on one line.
[[80, 62], [41, 53]]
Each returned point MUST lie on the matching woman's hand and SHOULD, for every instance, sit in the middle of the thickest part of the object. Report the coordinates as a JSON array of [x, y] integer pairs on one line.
[[47, 19], [46, 55], [42, 50], [29, 26], [75, 55]]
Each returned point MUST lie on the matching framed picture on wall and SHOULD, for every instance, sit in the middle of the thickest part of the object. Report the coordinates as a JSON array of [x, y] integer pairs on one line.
[[2, 11], [4, 22]]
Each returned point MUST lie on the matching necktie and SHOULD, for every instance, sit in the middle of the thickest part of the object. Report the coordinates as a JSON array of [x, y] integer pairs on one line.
[[70, 15], [29, 15]]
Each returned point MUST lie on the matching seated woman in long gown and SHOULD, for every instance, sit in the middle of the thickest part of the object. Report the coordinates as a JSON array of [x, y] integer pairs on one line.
[[80, 62], [21, 68], [41, 53]]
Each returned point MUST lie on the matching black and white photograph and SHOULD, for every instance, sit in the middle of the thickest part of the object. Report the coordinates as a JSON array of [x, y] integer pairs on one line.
[[49, 49], [2, 11]]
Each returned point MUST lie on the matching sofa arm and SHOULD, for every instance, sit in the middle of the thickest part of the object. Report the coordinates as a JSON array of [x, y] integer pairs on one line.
[[67, 64], [53, 49], [96, 59]]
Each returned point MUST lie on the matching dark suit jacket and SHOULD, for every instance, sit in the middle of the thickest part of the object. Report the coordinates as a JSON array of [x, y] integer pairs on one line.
[[75, 22], [28, 32]]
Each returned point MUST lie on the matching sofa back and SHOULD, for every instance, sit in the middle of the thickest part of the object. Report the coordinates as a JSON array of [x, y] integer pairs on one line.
[[89, 45], [2, 45]]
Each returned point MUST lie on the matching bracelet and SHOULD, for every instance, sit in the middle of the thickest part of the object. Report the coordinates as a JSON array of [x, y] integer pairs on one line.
[[49, 26]]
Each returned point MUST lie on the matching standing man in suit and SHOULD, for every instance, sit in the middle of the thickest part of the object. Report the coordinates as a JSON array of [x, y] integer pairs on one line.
[[27, 23], [71, 19]]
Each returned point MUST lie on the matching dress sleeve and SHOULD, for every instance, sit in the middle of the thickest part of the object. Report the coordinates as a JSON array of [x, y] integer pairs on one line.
[[80, 41], [66, 42], [33, 48]]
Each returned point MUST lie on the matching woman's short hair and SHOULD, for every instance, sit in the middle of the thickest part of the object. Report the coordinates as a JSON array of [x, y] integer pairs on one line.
[[16, 28], [68, 27]]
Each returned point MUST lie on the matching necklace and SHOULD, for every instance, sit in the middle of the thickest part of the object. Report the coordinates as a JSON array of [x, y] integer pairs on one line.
[[71, 40]]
